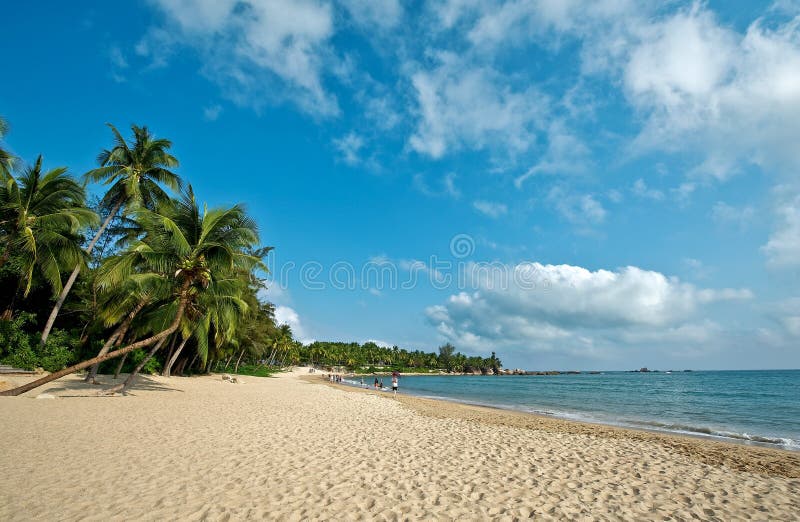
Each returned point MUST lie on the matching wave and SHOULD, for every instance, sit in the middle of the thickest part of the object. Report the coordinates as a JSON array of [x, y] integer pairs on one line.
[[704, 430], [684, 429]]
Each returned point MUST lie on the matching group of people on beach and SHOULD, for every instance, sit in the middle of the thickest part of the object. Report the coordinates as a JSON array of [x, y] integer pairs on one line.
[[378, 383]]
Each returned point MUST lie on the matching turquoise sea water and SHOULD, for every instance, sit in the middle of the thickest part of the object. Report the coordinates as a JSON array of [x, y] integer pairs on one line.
[[757, 407]]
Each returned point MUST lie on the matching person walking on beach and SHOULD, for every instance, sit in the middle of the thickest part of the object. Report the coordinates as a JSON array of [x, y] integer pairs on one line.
[[376, 383], [395, 378]]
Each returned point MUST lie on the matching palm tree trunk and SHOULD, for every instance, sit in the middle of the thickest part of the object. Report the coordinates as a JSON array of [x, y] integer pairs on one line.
[[74, 275], [236, 368], [119, 334], [119, 366], [171, 348], [171, 361], [228, 362], [122, 388], [103, 358], [193, 360]]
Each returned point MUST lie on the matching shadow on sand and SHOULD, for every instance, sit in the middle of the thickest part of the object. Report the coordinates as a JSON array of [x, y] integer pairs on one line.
[[76, 387]]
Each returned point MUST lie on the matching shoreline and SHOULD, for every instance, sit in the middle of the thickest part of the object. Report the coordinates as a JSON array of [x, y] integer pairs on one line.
[[737, 455]]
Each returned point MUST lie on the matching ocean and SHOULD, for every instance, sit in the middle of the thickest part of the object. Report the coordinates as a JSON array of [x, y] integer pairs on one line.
[[754, 407]]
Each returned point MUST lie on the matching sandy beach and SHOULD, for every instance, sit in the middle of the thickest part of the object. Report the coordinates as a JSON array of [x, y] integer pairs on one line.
[[295, 448]]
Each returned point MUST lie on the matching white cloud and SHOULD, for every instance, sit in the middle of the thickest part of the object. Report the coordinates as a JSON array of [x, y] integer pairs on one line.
[[518, 21], [721, 212], [696, 268], [641, 190], [565, 154], [577, 208], [369, 14], [545, 307], [118, 64], [117, 58], [212, 112], [788, 314], [349, 147], [464, 106], [491, 209], [700, 87], [783, 248], [683, 192], [258, 52], [288, 315], [733, 99], [448, 186]]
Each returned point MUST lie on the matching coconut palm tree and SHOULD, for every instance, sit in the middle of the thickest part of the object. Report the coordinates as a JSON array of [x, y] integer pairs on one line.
[[135, 171], [196, 250], [41, 216]]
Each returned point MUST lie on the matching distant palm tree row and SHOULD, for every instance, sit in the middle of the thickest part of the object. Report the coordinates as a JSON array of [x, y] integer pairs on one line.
[[371, 357], [172, 273]]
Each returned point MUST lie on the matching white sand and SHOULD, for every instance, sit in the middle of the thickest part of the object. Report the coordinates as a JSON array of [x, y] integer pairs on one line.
[[282, 448]]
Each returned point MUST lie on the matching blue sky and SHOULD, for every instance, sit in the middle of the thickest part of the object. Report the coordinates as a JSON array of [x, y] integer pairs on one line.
[[608, 184]]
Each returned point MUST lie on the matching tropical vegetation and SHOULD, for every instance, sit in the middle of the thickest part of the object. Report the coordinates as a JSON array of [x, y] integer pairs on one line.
[[144, 278]]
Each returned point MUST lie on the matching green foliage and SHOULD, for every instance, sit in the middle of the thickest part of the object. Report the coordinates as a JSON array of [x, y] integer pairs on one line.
[[19, 347], [256, 370], [41, 217], [370, 358], [152, 367]]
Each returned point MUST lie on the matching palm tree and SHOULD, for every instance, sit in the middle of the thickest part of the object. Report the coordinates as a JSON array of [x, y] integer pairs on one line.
[[41, 216], [198, 251], [6, 158], [134, 171]]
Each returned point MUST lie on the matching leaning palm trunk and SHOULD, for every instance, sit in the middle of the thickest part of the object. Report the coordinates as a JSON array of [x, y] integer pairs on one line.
[[171, 350], [103, 358], [171, 361], [74, 275], [122, 388], [118, 335], [236, 368], [119, 366]]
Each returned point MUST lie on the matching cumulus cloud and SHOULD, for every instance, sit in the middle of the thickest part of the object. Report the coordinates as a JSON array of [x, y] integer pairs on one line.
[[735, 99], [288, 315], [489, 208], [460, 105], [256, 51], [544, 307]]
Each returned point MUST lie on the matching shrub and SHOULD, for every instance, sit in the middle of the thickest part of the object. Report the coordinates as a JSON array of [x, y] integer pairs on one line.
[[152, 367], [21, 348]]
